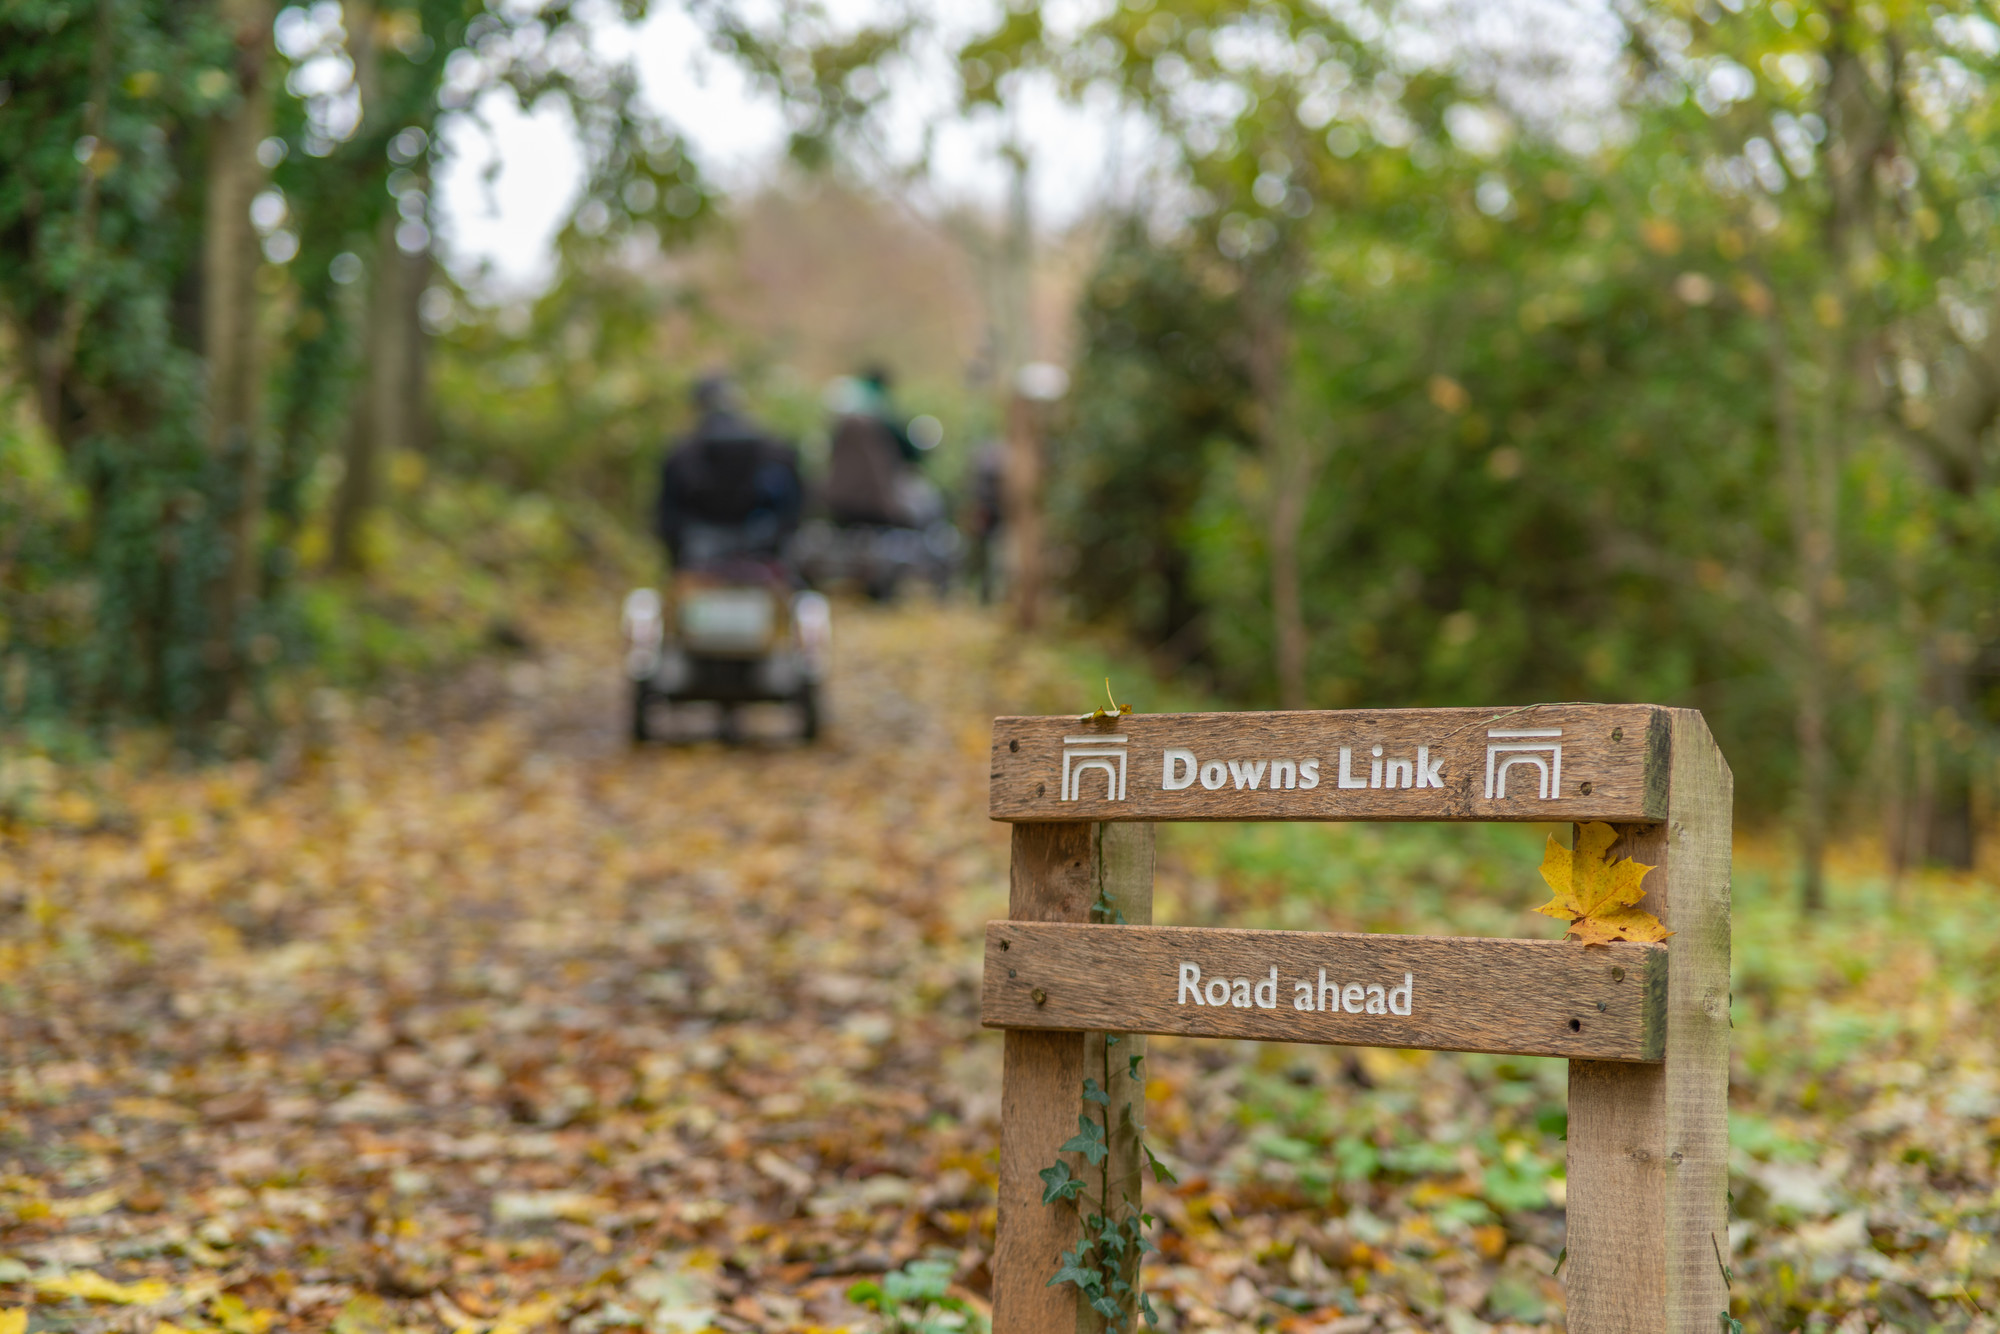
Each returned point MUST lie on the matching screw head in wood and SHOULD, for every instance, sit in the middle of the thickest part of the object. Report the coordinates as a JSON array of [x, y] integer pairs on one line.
[[1602, 1006], [1617, 734], [1038, 996], [1584, 788], [1015, 744], [1041, 788], [1617, 973]]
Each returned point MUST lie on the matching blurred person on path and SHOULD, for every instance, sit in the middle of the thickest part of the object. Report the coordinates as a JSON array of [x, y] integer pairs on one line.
[[871, 472], [728, 488], [985, 513]]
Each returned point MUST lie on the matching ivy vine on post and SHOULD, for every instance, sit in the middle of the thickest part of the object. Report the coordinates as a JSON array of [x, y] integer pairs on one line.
[[1104, 1264]]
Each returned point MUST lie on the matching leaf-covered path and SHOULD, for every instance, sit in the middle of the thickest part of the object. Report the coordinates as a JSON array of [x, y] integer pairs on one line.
[[462, 1015], [498, 1019]]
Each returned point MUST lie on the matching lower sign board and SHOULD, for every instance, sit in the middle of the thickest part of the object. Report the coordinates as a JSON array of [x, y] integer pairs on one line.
[[1517, 997]]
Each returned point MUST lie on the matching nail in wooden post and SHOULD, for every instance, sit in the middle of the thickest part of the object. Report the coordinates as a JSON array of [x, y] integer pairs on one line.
[[1055, 877], [1649, 1145]]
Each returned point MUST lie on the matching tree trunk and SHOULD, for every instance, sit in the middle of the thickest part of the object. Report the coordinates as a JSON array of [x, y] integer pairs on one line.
[[230, 341], [1949, 829], [1289, 465], [389, 394], [1021, 479], [377, 429], [1806, 464], [415, 431]]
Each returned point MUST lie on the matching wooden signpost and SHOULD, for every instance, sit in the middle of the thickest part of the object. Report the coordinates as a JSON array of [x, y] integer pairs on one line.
[[1645, 1027]]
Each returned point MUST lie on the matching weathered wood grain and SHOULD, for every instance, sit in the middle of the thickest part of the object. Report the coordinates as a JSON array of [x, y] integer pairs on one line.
[[1523, 997], [1614, 1269], [1058, 872], [1697, 1072], [1053, 878], [1125, 867], [1649, 1146], [1435, 764]]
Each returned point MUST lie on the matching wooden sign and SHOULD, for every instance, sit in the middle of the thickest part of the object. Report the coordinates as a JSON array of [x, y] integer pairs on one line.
[[1646, 1027], [1561, 762], [1516, 997]]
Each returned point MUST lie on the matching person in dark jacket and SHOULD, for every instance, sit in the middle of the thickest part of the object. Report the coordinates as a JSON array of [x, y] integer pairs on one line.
[[728, 488], [870, 454]]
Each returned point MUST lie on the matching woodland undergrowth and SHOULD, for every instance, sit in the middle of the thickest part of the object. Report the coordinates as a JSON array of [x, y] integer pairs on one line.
[[460, 1014]]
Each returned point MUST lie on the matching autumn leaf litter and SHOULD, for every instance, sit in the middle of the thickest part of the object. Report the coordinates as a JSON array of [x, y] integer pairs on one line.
[[486, 1023]]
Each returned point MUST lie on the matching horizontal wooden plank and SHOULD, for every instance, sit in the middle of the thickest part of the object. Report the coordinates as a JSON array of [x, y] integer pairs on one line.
[[1566, 762], [1443, 993]]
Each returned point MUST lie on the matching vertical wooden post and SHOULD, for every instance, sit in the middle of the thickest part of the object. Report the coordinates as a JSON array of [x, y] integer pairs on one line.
[[1125, 868], [1649, 1145], [1056, 875]]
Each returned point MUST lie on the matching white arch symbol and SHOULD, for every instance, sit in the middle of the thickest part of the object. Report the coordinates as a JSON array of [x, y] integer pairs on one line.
[[1527, 745], [1083, 753]]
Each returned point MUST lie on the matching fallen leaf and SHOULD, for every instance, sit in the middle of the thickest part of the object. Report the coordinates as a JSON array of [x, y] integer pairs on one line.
[[94, 1287], [14, 1320], [85, 1206], [544, 1206], [1116, 710], [1594, 894], [526, 1316]]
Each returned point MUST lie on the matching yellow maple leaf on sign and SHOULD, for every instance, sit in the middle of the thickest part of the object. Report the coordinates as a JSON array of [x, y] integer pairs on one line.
[[1595, 894]]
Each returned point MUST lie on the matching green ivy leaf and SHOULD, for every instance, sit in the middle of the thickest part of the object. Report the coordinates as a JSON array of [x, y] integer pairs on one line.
[[1076, 1270], [869, 1294], [1059, 1184], [1088, 1141], [1092, 1093], [1161, 1172]]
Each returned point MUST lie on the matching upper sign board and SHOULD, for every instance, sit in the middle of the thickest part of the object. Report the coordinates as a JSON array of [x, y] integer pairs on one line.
[[1545, 762]]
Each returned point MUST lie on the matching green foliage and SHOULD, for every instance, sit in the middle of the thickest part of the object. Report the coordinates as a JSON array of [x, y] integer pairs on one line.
[[95, 232], [916, 1299], [115, 605], [1703, 415], [1162, 397], [1103, 1266], [832, 83]]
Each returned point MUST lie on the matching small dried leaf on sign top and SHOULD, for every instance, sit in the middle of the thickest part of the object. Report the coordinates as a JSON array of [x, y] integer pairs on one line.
[[1116, 710], [1595, 894]]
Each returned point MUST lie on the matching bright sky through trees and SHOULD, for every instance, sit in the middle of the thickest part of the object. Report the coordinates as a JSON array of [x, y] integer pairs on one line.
[[511, 222]]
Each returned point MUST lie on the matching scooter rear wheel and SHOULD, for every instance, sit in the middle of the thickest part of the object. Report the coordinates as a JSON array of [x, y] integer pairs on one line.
[[808, 703], [642, 699]]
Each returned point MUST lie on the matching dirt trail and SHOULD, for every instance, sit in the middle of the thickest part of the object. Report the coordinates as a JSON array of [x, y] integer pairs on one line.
[[504, 1021], [465, 1015]]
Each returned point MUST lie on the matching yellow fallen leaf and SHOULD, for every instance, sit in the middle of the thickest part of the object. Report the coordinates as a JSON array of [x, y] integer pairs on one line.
[[237, 1317], [85, 1206], [526, 1316], [1595, 894], [94, 1287], [14, 1320]]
